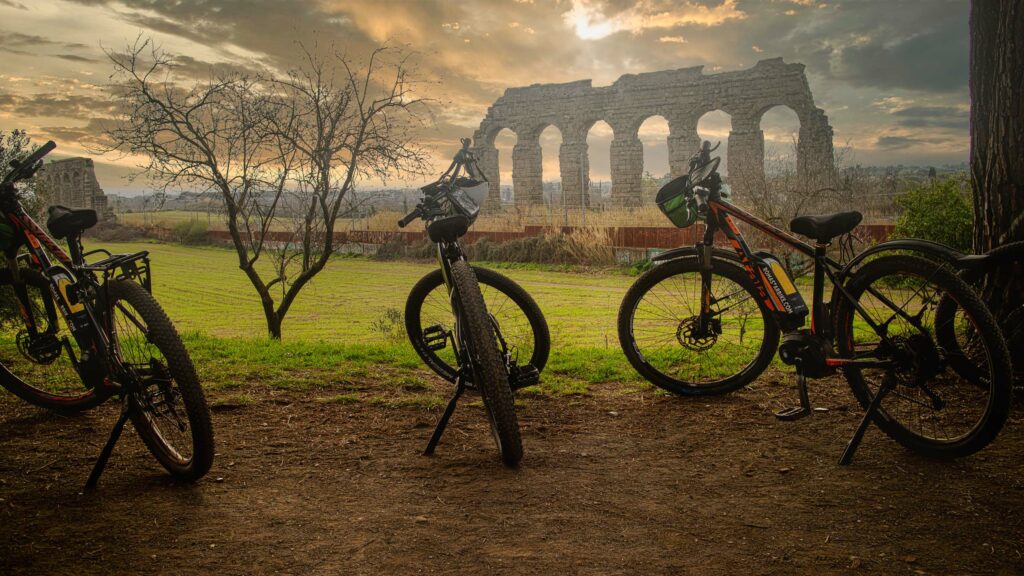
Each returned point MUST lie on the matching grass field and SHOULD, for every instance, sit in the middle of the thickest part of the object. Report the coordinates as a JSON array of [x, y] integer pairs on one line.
[[346, 319], [348, 322]]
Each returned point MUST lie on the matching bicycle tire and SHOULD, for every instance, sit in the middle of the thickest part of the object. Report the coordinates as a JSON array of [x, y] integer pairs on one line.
[[80, 400], [490, 377], [664, 273], [540, 344], [997, 355], [161, 334], [1010, 316]]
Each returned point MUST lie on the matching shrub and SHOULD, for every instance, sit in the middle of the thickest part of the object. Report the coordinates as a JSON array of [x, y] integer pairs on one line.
[[939, 211], [190, 232]]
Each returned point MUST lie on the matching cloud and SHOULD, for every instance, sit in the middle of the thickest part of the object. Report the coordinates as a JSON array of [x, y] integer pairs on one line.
[[55, 105], [896, 142], [591, 21], [934, 117], [856, 53]]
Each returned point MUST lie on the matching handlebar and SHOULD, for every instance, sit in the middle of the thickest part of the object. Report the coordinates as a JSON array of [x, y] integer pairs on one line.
[[26, 167], [410, 217]]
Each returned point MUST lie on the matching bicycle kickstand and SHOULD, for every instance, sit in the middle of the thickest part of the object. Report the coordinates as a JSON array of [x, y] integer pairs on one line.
[[869, 414], [460, 387], [115, 435], [804, 409]]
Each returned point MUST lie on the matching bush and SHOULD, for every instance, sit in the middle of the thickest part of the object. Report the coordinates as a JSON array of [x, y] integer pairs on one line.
[[939, 211], [190, 232]]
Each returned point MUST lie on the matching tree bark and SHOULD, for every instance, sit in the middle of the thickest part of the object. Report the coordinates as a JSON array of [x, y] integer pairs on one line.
[[997, 122]]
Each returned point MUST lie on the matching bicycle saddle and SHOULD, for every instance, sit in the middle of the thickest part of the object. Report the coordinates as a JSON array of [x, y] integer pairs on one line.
[[825, 228], [65, 222]]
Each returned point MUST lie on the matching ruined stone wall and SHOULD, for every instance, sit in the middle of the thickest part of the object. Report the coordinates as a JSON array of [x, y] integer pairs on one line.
[[72, 182], [681, 97]]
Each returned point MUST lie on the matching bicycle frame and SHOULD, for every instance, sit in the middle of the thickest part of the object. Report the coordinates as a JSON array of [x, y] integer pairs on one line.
[[69, 270], [720, 217]]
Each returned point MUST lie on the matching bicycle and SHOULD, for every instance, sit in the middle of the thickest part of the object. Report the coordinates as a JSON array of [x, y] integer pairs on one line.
[[981, 271], [470, 325], [86, 332], [708, 321]]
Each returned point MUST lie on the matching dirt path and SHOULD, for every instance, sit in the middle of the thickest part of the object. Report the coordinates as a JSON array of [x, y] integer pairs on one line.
[[617, 483]]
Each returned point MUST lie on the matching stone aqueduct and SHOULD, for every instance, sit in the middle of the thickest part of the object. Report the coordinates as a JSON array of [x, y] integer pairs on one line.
[[681, 97]]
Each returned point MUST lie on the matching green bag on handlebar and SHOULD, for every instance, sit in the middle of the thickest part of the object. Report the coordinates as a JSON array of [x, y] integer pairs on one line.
[[675, 200]]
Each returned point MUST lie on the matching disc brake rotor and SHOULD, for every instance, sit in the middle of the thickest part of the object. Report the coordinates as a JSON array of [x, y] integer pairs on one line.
[[691, 338]]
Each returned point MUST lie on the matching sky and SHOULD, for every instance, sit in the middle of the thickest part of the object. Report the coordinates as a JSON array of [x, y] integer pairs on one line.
[[891, 75]]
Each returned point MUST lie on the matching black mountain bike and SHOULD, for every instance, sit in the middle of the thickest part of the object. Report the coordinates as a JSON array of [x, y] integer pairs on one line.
[[474, 327], [89, 331], [934, 377]]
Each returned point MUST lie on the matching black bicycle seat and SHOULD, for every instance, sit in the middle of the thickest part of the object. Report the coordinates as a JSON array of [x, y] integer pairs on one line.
[[825, 228], [65, 222]]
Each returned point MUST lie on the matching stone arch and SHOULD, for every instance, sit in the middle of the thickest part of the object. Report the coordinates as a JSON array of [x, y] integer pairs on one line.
[[714, 126], [781, 126], [550, 139], [597, 138], [679, 96], [488, 157], [653, 134]]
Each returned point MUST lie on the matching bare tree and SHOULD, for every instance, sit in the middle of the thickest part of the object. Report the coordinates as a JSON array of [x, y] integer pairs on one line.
[[283, 153]]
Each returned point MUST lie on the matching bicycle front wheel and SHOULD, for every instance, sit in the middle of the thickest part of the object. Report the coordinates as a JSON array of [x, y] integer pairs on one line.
[[476, 334], [932, 406], [660, 332], [516, 317], [172, 416]]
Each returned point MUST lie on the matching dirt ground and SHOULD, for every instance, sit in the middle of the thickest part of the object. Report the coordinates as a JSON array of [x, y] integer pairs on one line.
[[618, 482]]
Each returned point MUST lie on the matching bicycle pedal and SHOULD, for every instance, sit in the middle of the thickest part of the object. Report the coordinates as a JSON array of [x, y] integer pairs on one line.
[[791, 414], [435, 337], [523, 376]]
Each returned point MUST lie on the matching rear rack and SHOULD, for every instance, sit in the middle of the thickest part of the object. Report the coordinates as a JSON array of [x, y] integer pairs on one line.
[[133, 267]]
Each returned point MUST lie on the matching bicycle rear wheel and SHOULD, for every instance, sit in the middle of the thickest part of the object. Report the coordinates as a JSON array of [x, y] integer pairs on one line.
[[990, 281], [932, 407], [480, 349], [172, 416], [40, 369]]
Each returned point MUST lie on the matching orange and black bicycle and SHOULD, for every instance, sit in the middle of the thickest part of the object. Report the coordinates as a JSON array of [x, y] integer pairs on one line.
[[935, 377], [85, 332]]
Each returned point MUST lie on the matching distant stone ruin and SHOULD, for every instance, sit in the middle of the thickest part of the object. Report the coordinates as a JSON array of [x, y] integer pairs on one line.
[[681, 97], [72, 182]]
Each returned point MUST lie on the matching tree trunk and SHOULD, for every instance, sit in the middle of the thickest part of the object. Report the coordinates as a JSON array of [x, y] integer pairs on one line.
[[997, 122], [997, 155]]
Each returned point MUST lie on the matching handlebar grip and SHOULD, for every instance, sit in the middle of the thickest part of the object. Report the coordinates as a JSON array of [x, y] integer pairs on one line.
[[36, 156], [409, 218]]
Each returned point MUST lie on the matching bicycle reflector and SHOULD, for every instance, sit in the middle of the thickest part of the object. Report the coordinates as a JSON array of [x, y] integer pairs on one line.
[[675, 200]]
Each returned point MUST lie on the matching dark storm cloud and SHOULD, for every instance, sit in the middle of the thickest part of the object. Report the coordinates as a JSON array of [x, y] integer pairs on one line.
[[932, 60], [896, 142], [933, 117]]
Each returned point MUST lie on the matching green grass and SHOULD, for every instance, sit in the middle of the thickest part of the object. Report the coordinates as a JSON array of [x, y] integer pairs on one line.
[[337, 328], [343, 331]]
